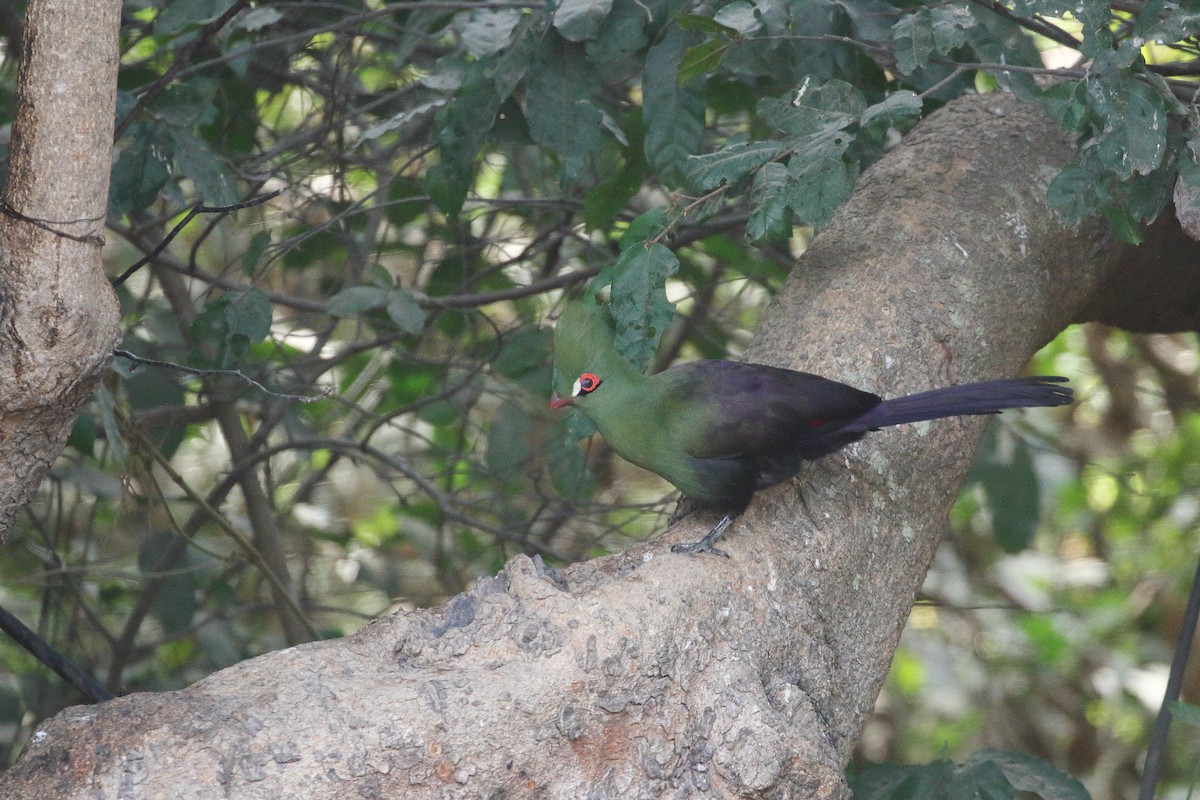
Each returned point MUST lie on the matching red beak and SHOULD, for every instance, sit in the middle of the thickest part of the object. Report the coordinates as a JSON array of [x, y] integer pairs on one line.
[[557, 402]]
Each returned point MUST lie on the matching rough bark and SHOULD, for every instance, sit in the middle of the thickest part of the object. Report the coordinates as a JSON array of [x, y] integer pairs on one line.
[[649, 674], [58, 314]]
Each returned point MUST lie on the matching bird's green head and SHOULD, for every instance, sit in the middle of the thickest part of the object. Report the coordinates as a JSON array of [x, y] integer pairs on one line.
[[584, 356]]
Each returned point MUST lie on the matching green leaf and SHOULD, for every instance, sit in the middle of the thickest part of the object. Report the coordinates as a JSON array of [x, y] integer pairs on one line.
[[701, 60], [639, 301], [731, 164], [814, 114], [645, 227], [950, 24], [623, 33], [1042, 631], [181, 14], [744, 18], [1133, 122], [213, 180], [833, 100], [1028, 773], [820, 180], [1095, 17], [1076, 192], [462, 125], [1067, 103], [1186, 713], [703, 24], [770, 216], [998, 40], [515, 62], [912, 38], [228, 325], [1004, 470], [1187, 194], [447, 187], [983, 776], [508, 442], [258, 245], [902, 782], [249, 315], [83, 434], [402, 309], [899, 110], [1168, 28], [1123, 223], [486, 32], [256, 19], [606, 199], [187, 104], [523, 351], [558, 109], [939, 29], [566, 463], [355, 300], [981, 780], [578, 20], [142, 168], [673, 114], [175, 604], [1145, 196], [148, 389], [106, 407]]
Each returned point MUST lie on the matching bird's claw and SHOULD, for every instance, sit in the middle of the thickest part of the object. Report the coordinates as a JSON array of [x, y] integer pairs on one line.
[[706, 545]]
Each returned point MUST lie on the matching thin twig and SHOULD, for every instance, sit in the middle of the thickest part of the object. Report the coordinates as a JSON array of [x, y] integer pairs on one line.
[[247, 546], [444, 501], [139, 361], [199, 208], [1162, 724], [183, 58], [87, 238]]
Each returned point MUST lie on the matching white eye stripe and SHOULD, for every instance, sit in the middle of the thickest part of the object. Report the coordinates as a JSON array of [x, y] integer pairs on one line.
[[577, 389]]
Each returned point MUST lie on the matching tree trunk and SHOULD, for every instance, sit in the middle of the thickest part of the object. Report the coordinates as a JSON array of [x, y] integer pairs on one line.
[[650, 674], [58, 313]]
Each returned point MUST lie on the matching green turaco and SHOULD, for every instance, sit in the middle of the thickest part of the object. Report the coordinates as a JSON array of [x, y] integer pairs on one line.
[[721, 430]]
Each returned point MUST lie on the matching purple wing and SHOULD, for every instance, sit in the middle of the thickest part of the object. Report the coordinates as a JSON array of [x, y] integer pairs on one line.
[[763, 423], [738, 410]]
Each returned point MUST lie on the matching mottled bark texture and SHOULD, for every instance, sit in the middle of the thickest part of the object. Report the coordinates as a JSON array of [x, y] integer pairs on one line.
[[58, 314], [649, 674]]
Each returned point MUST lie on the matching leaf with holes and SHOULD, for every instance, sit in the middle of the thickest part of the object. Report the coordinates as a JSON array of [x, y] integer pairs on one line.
[[639, 300], [731, 164], [770, 216], [1133, 125], [820, 180]]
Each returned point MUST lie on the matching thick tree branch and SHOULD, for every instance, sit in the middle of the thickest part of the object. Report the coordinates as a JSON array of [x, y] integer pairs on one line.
[[58, 315], [648, 674]]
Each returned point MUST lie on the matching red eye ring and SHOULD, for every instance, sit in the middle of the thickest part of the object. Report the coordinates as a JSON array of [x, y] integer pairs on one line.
[[587, 383]]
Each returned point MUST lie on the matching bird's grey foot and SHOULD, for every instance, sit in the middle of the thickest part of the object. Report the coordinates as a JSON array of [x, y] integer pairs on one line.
[[706, 545]]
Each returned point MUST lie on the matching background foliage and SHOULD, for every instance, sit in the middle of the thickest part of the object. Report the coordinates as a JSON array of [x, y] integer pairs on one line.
[[372, 209]]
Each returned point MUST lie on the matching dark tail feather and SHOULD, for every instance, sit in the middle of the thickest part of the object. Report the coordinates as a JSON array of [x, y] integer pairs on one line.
[[972, 398]]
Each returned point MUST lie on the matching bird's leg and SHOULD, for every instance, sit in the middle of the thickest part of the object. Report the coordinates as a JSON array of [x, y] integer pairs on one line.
[[705, 545], [684, 507]]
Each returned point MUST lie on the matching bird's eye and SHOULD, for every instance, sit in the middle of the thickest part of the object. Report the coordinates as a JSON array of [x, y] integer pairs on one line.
[[586, 384]]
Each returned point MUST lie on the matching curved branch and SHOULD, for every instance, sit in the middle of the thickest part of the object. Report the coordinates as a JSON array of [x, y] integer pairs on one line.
[[648, 673]]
